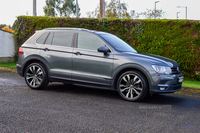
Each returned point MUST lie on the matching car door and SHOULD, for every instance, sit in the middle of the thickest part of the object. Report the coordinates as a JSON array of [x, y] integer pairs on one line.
[[57, 51], [89, 65]]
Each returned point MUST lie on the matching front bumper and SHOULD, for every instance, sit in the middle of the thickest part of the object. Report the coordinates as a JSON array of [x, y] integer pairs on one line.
[[166, 83]]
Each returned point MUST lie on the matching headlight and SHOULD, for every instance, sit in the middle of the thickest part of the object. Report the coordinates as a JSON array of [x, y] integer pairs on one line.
[[162, 69]]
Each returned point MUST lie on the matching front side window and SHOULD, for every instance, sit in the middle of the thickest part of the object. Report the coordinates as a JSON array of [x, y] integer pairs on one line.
[[62, 39], [88, 41]]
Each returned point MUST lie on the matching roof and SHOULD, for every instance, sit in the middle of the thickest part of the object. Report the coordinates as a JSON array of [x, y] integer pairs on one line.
[[77, 29], [65, 28]]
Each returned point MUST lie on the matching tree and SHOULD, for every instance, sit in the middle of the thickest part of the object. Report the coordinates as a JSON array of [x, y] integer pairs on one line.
[[153, 13], [114, 9], [134, 14], [62, 8], [90, 14], [117, 10], [2, 25]]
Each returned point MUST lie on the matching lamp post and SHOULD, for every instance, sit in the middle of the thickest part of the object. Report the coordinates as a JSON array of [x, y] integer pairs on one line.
[[185, 10], [119, 9], [177, 15], [155, 7], [34, 8], [77, 8]]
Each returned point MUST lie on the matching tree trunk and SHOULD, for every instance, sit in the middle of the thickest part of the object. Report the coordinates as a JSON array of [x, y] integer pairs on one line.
[[102, 8]]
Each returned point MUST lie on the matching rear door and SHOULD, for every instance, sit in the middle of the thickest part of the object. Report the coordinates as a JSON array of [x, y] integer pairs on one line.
[[89, 65], [57, 51]]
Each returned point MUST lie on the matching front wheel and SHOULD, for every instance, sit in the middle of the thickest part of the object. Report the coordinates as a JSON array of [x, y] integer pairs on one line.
[[132, 86], [35, 76]]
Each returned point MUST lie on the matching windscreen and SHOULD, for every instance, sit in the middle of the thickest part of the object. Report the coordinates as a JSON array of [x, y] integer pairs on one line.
[[117, 43]]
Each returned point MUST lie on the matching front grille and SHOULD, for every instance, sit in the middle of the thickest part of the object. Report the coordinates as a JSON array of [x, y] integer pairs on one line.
[[176, 70]]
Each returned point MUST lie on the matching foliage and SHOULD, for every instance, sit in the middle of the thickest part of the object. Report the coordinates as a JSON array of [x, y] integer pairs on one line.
[[8, 29], [134, 14], [62, 8], [2, 25], [175, 39], [114, 9], [153, 14]]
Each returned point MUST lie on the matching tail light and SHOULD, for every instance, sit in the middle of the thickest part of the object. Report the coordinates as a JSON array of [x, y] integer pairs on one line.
[[20, 50]]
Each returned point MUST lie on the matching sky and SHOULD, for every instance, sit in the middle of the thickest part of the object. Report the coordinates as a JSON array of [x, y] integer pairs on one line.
[[10, 9]]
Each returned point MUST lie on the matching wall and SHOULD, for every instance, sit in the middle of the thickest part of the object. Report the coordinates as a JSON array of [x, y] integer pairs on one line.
[[7, 46]]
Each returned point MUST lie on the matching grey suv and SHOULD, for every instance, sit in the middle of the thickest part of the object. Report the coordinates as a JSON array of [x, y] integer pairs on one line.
[[95, 59]]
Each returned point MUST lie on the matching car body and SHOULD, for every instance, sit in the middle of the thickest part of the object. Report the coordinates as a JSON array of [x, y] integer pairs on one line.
[[95, 59]]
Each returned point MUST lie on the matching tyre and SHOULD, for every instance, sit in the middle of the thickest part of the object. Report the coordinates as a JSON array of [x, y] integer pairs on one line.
[[35, 76], [132, 86]]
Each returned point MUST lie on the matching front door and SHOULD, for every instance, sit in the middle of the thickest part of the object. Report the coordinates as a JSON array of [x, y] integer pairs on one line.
[[89, 65]]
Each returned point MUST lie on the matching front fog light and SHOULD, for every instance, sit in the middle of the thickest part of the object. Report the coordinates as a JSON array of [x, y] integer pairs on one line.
[[162, 88]]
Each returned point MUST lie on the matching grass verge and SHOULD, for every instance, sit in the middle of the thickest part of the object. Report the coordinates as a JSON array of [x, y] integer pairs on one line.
[[9, 65], [191, 83]]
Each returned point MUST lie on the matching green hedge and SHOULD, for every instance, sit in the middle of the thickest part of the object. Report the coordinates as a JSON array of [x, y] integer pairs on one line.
[[175, 39]]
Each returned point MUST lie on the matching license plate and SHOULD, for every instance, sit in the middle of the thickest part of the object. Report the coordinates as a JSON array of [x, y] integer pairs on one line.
[[180, 79]]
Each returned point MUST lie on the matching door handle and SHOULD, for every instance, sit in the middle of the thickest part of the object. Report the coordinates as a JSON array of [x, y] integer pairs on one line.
[[46, 49], [77, 53]]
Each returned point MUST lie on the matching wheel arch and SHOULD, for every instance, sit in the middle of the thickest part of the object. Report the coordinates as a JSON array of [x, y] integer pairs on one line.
[[35, 59], [131, 67]]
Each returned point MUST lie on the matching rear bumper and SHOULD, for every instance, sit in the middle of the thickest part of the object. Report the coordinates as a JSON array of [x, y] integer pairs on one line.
[[166, 83], [19, 70]]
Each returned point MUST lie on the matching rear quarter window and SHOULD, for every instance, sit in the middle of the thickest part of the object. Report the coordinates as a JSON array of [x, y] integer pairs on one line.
[[49, 39], [42, 38]]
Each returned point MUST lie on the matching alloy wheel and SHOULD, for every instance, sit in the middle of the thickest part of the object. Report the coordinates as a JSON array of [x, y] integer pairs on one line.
[[34, 76], [130, 86]]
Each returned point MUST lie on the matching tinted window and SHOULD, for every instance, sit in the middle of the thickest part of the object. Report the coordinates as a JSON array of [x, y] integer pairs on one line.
[[87, 41], [49, 39], [62, 39], [117, 43], [42, 38]]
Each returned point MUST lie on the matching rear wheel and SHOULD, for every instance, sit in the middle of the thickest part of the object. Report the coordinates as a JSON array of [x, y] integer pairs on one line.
[[35, 76], [132, 86]]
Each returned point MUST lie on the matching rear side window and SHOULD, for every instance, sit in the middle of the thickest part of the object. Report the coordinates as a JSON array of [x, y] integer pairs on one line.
[[62, 39], [42, 38]]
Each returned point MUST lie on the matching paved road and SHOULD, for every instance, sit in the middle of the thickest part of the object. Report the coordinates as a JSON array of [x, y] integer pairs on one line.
[[66, 109]]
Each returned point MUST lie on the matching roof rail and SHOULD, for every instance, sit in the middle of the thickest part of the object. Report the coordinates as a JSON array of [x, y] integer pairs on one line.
[[66, 28]]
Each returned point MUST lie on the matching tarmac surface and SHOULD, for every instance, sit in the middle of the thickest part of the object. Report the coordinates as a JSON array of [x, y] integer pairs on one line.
[[61, 108]]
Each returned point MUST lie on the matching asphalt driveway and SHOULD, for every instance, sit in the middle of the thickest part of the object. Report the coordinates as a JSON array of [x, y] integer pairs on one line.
[[61, 108]]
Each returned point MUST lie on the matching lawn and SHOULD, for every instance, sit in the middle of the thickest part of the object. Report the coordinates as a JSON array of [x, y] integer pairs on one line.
[[191, 83], [10, 65], [186, 83]]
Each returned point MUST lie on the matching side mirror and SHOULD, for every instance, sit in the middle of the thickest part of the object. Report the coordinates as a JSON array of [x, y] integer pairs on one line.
[[103, 49]]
